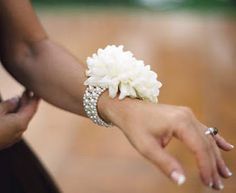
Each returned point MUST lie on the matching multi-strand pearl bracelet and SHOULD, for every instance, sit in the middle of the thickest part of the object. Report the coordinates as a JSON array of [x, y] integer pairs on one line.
[[90, 99], [121, 73]]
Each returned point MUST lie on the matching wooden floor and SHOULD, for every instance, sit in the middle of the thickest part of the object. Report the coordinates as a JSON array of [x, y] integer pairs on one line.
[[195, 57]]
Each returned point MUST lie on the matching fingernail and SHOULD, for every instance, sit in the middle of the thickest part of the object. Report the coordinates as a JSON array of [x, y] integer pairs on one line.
[[14, 100], [220, 185], [210, 185], [178, 177], [232, 146], [229, 173], [30, 94]]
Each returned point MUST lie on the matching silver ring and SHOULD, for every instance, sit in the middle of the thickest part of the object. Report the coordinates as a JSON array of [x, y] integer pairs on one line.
[[211, 131]]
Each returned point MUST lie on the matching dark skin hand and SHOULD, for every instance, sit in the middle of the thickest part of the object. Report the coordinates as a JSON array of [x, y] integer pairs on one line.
[[55, 75], [15, 115]]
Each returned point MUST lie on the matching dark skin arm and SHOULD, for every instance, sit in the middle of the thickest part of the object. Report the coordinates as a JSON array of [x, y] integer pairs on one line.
[[35, 61], [55, 75]]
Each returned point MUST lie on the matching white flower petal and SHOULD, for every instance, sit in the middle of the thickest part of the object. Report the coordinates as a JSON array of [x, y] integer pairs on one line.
[[113, 89], [112, 66]]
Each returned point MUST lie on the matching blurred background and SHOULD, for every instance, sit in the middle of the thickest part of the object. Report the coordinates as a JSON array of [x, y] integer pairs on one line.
[[191, 44]]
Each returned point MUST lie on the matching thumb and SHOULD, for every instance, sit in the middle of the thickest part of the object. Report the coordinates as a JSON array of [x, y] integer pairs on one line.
[[9, 106], [28, 106]]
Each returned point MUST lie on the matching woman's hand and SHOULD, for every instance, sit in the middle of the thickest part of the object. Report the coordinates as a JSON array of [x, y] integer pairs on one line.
[[150, 127], [15, 115]]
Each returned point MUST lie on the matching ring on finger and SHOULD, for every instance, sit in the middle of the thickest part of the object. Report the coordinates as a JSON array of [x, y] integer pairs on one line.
[[211, 131]]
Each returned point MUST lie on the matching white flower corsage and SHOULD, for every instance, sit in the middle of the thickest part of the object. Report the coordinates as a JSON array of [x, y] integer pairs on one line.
[[121, 73]]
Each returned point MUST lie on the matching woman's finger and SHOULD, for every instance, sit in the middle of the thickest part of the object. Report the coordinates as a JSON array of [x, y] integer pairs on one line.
[[222, 143], [222, 168], [199, 145], [219, 142], [9, 106], [163, 160], [217, 169], [218, 162], [218, 184]]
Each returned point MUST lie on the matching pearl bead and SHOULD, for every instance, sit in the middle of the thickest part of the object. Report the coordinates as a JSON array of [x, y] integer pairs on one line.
[[90, 99]]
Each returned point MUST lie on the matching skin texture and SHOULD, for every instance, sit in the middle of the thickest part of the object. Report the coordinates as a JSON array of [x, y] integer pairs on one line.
[[55, 75]]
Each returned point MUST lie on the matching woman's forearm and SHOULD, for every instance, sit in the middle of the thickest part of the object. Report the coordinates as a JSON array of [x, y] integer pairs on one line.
[[39, 64], [51, 72]]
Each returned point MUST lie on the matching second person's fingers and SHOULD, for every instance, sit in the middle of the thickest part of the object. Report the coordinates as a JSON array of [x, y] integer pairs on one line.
[[9, 106], [27, 108], [19, 120]]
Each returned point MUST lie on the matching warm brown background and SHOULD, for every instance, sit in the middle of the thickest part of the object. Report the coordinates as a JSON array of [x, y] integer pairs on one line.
[[195, 58]]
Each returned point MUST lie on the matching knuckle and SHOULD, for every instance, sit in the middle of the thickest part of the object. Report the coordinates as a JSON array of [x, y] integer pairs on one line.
[[183, 116], [186, 110]]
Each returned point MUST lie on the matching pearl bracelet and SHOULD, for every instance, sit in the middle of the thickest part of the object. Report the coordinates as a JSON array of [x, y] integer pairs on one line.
[[90, 99]]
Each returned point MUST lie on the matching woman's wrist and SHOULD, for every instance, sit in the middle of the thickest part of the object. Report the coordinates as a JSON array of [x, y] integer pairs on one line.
[[106, 107], [114, 110]]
